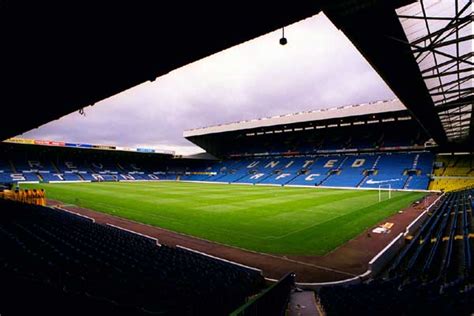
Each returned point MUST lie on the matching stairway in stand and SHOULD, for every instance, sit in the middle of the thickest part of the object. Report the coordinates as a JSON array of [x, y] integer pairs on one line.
[[365, 177], [407, 182], [303, 303]]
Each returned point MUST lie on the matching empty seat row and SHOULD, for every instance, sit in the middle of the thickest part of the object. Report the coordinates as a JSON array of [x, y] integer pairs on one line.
[[73, 257], [432, 274]]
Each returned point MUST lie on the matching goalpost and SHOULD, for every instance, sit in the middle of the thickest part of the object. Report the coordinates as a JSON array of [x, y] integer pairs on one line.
[[385, 188]]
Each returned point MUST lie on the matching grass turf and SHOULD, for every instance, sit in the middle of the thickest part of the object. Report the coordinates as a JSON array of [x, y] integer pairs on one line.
[[278, 220]]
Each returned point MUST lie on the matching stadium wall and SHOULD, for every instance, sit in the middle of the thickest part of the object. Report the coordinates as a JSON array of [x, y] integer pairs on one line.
[[66, 181]]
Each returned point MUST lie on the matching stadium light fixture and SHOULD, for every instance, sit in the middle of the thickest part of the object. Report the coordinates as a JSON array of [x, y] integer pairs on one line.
[[283, 40]]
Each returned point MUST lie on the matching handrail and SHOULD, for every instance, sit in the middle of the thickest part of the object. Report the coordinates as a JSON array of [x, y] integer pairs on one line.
[[266, 303]]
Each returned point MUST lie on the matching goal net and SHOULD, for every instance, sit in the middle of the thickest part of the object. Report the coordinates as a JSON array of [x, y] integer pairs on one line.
[[385, 192]]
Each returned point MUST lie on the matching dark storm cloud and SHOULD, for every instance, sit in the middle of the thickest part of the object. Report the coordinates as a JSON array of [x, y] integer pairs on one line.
[[318, 68]]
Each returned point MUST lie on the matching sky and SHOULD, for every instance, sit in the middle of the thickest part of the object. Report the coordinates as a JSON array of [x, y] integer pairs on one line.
[[318, 68]]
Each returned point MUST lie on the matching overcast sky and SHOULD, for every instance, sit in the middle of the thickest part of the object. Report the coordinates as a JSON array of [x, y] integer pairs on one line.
[[318, 68]]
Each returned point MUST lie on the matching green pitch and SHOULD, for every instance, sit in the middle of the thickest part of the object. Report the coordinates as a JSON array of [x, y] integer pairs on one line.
[[278, 220]]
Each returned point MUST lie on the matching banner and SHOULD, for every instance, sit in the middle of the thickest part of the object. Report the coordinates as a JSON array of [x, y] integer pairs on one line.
[[145, 150], [103, 147], [49, 143], [124, 148], [20, 141], [88, 146]]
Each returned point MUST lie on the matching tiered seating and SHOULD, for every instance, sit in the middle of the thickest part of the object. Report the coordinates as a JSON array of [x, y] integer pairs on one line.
[[73, 166], [5, 166], [71, 177], [164, 176], [30, 176], [423, 163], [260, 169], [200, 173], [102, 166], [395, 139], [312, 141], [400, 170], [352, 172], [390, 171], [433, 273], [5, 177], [363, 141], [316, 169], [87, 177], [286, 170], [232, 171], [51, 177], [451, 184], [453, 172], [455, 166], [5, 171], [386, 298], [334, 142], [35, 170], [54, 263]]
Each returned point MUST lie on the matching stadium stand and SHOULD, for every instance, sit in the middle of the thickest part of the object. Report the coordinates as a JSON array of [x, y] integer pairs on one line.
[[52, 260], [307, 142], [451, 183], [459, 165], [401, 170], [432, 274], [453, 172], [57, 264], [5, 166]]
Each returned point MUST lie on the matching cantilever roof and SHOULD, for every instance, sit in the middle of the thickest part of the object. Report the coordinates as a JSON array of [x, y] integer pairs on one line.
[[300, 117], [440, 35]]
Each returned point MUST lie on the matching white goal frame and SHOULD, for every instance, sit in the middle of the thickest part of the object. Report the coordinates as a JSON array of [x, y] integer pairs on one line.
[[389, 191]]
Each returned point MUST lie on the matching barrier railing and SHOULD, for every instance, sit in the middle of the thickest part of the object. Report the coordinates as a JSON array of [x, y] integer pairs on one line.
[[272, 301]]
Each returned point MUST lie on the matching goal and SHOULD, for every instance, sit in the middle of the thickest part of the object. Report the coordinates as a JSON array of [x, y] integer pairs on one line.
[[385, 192]]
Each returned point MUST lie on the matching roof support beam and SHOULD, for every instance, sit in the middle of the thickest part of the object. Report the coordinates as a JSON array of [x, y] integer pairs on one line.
[[449, 73], [373, 30], [455, 104], [457, 81], [445, 43], [461, 58], [456, 118], [456, 97], [464, 90], [432, 18], [454, 113], [455, 22], [422, 49]]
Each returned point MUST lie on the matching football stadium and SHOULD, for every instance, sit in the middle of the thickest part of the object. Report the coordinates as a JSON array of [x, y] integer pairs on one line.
[[361, 209]]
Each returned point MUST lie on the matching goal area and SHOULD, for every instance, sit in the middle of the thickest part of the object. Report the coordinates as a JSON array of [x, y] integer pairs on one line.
[[385, 192]]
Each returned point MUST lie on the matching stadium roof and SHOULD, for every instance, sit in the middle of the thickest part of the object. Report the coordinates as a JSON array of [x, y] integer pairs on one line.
[[59, 57], [392, 40], [355, 112], [441, 38]]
